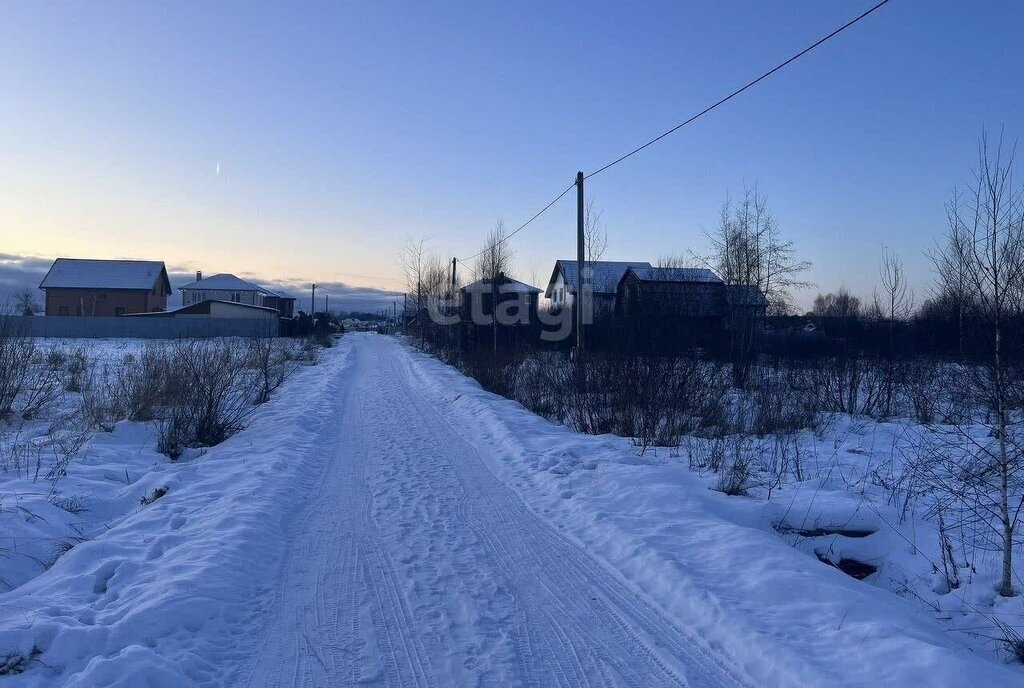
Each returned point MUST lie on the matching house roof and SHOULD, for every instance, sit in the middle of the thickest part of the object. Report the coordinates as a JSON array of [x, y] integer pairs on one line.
[[605, 277], [224, 280], [505, 285], [87, 273], [650, 274], [203, 307], [279, 294]]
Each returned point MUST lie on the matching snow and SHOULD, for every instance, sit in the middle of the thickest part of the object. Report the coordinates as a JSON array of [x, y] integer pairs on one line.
[[677, 275], [224, 281], [385, 520], [84, 273], [605, 277], [715, 562], [162, 591], [505, 285]]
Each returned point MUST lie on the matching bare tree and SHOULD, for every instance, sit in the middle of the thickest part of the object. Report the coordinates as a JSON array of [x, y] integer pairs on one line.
[[413, 260], [595, 236], [841, 304], [26, 302], [843, 309], [748, 253], [494, 261], [747, 249], [893, 304], [950, 266], [987, 244]]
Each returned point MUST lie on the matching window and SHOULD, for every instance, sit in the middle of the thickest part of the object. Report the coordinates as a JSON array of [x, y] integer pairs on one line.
[[63, 310], [236, 296], [120, 310]]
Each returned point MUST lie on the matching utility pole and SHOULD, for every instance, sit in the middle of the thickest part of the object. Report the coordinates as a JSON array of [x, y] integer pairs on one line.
[[451, 292], [312, 302], [327, 303], [581, 274], [419, 313], [580, 269]]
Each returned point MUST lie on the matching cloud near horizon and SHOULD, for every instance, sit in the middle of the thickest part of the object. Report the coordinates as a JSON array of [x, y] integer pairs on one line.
[[18, 273]]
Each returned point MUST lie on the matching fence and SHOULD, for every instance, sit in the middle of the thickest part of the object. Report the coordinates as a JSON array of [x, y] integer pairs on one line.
[[73, 327]]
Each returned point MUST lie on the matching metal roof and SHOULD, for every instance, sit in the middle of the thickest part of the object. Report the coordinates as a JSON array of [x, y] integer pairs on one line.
[[88, 273], [226, 281], [604, 278], [506, 285], [677, 275]]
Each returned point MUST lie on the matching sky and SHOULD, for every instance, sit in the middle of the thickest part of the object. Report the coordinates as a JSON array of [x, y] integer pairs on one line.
[[306, 141]]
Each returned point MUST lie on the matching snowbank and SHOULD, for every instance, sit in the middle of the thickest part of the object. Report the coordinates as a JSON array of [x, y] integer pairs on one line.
[[715, 562], [166, 595]]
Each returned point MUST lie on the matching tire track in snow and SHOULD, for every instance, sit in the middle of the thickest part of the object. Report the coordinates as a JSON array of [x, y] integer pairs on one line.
[[414, 565], [591, 599], [340, 619]]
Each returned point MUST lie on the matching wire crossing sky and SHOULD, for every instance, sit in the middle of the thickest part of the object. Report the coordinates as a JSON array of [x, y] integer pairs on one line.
[[692, 119], [308, 142]]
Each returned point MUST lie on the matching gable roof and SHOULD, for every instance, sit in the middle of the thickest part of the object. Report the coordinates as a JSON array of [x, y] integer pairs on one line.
[[226, 281], [88, 273], [702, 275], [506, 285], [605, 277]]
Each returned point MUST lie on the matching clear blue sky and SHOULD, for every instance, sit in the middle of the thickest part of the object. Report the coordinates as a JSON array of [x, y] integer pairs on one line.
[[342, 128]]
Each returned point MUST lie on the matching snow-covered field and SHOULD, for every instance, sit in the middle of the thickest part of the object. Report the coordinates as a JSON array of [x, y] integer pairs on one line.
[[385, 521], [46, 509], [66, 481], [721, 566]]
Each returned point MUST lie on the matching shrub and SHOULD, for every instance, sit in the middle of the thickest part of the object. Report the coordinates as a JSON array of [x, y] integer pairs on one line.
[[309, 351], [496, 372], [785, 400], [272, 363], [737, 475], [923, 386], [16, 353], [42, 390], [100, 408], [209, 395], [77, 371]]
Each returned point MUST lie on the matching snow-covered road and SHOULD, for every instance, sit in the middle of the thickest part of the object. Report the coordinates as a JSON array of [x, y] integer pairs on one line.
[[385, 521], [412, 564]]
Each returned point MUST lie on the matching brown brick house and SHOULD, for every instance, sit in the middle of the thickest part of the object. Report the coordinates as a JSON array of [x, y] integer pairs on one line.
[[104, 288]]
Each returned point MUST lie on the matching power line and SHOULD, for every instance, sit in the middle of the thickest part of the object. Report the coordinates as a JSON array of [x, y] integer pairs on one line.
[[741, 89], [700, 114], [524, 225]]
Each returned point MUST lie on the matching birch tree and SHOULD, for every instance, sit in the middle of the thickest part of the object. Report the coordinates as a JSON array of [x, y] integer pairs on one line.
[[986, 243], [494, 260]]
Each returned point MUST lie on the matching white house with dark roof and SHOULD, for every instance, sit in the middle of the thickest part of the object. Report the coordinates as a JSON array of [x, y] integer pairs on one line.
[[604, 280], [222, 287], [227, 287]]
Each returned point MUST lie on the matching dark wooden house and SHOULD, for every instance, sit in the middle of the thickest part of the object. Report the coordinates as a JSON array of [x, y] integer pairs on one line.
[[511, 302], [684, 307]]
